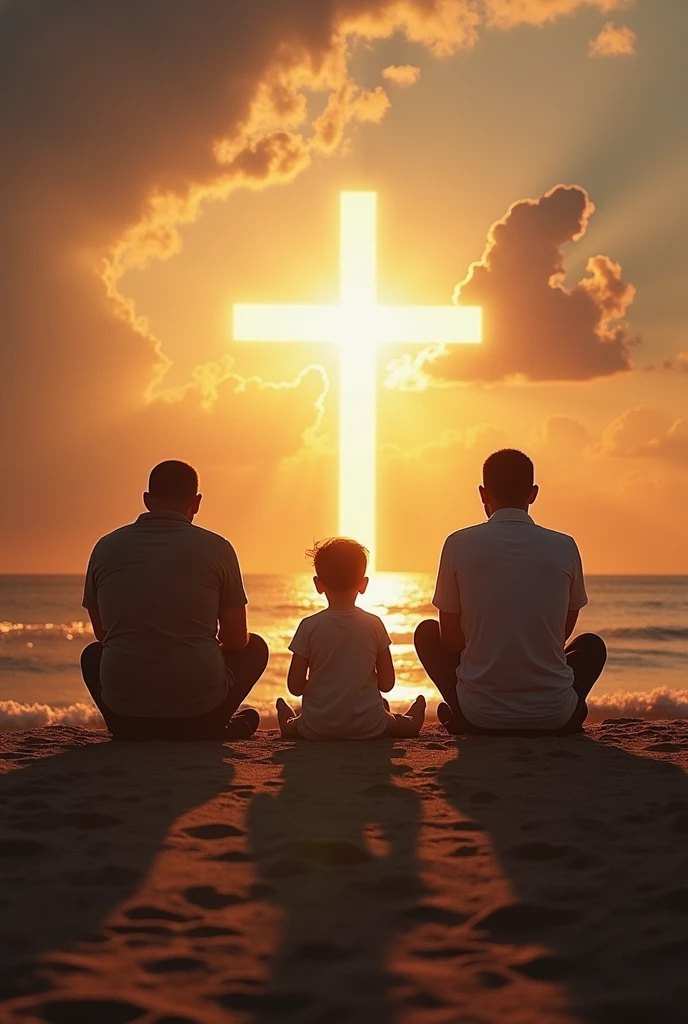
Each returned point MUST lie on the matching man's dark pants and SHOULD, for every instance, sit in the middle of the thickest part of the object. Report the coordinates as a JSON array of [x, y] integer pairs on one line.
[[222, 722], [586, 655]]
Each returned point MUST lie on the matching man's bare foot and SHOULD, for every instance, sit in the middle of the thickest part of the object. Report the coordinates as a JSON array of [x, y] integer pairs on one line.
[[417, 711]]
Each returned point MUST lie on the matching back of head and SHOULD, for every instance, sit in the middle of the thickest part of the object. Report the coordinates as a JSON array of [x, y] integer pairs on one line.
[[340, 563], [508, 476], [173, 481]]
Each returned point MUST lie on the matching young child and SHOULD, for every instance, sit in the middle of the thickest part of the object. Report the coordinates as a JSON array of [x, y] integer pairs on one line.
[[341, 662]]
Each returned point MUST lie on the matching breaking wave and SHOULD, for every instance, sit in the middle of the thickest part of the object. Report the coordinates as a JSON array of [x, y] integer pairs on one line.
[[653, 705], [14, 716]]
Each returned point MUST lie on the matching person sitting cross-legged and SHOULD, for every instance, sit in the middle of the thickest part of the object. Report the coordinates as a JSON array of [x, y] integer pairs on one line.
[[509, 593], [173, 659], [341, 663]]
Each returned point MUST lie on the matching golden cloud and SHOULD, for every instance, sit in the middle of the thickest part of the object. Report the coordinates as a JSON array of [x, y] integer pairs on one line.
[[613, 41], [403, 75]]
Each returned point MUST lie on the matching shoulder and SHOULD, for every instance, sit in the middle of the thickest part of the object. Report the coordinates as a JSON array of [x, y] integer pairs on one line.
[[369, 618], [562, 544], [111, 540], [555, 538], [466, 536], [211, 541], [313, 620]]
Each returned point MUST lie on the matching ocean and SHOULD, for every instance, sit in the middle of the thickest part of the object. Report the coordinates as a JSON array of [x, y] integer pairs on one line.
[[644, 620]]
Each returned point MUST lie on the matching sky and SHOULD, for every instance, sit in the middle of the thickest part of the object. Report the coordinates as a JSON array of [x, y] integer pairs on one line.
[[165, 159]]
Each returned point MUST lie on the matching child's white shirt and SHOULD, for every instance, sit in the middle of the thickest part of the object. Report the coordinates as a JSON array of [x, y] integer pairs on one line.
[[342, 699]]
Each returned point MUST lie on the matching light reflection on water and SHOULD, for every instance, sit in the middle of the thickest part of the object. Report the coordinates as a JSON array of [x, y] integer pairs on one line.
[[42, 631]]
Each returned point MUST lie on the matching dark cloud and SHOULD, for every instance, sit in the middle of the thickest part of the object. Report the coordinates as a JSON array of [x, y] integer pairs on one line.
[[535, 327]]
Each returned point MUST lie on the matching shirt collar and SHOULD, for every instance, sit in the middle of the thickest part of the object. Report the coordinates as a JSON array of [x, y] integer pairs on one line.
[[177, 517], [510, 515]]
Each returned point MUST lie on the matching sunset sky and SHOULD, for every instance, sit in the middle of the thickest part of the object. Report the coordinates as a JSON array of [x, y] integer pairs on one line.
[[164, 160]]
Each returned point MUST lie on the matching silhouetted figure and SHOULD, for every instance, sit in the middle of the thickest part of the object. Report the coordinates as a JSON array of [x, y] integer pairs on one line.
[[157, 591], [341, 662], [509, 594]]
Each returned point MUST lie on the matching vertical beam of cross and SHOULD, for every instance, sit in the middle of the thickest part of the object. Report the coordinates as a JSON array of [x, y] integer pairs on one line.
[[358, 325]]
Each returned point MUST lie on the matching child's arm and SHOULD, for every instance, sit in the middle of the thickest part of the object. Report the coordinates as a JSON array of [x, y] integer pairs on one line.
[[298, 675], [385, 671]]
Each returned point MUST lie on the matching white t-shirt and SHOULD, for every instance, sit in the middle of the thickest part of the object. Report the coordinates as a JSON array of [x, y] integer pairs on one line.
[[342, 699], [513, 583]]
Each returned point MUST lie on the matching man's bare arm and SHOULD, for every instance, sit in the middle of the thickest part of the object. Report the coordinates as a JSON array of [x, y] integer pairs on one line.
[[97, 623], [451, 632], [233, 628], [571, 620]]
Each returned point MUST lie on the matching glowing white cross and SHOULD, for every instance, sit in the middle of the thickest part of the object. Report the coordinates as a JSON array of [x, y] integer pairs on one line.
[[358, 324]]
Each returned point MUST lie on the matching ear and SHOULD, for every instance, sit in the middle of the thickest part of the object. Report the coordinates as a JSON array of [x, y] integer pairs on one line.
[[364, 585], [318, 585], [533, 494], [197, 503], [146, 500]]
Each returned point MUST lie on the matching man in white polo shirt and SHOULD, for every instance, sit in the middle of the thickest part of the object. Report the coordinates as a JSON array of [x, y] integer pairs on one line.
[[509, 593]]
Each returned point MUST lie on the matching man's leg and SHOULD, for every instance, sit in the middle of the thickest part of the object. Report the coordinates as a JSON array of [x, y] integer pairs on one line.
[[439, 663], [247, 667], [90, 670], [586, 655]]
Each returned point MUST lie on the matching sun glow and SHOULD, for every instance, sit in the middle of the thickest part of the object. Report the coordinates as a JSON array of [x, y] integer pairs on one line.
[[358, 325]]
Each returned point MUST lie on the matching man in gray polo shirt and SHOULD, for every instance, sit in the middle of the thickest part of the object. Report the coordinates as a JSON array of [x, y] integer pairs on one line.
[[509, 593], [173, 658]]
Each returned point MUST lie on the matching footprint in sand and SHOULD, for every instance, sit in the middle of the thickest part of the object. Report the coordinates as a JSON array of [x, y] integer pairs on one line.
[[147, 913], [208, 898], [214, 831], [88, 1011], [430, 913], [545, 968], [211, 931], [277, 1004], [175, 965], [518, 919]]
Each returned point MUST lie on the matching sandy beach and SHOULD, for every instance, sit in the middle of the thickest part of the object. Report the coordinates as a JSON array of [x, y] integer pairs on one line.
[[435, 880]]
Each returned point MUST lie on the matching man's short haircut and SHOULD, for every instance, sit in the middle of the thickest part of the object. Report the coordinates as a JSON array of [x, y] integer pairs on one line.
[[509, 476], [173, 480], [339, 563]]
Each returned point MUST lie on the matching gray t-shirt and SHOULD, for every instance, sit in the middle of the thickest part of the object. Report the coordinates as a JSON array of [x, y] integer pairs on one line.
[[159, 585]]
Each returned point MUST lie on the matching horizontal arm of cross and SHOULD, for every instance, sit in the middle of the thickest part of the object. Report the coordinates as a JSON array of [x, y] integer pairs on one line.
[[391, 324]]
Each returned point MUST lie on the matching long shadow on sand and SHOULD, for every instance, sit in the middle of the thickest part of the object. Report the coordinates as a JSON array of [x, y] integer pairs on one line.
[[592, 840], [336, 849], [78, 833]]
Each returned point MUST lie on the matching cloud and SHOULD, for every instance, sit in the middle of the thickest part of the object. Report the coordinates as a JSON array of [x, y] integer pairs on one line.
[[613, 41], [125, 122], [535, 327], [647, 433], [403, 75], [510, 13], [679, 363]]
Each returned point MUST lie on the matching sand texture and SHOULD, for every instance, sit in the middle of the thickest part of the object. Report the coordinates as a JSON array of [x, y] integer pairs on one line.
[[467, 881]]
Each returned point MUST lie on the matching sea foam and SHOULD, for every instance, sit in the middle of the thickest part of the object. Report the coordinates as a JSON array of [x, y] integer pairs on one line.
[[654, 705]]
